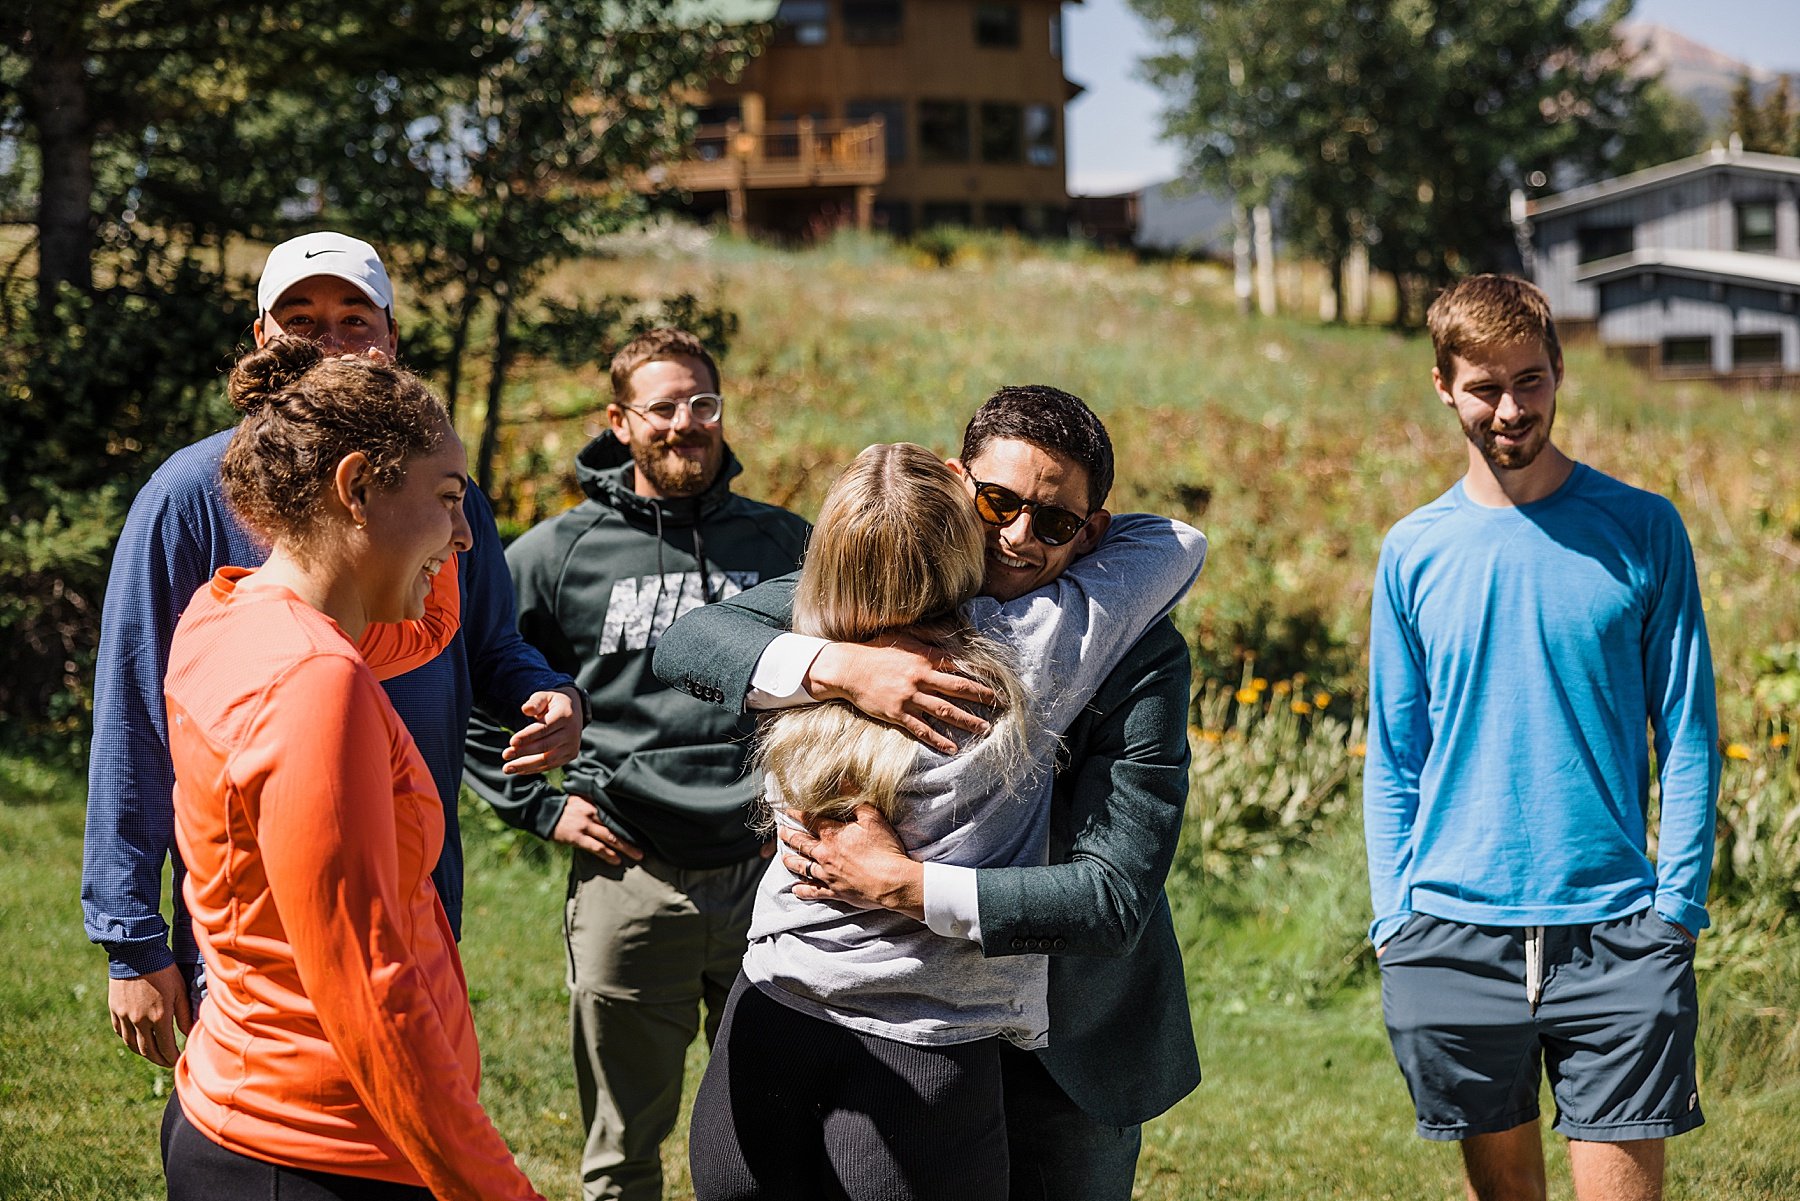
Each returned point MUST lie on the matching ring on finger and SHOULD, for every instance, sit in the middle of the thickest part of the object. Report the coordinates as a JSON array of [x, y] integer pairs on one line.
[[808, 873]]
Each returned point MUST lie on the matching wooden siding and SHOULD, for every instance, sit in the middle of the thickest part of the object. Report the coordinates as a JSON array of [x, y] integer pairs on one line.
[[1645, 310], [1695, 212], [935, 58]]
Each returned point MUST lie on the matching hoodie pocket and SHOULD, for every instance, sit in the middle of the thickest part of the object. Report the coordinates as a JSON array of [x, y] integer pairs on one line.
[[712, 780]]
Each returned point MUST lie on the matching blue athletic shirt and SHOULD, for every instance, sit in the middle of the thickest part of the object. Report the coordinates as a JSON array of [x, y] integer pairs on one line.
[[178, 532], [1515, 658]]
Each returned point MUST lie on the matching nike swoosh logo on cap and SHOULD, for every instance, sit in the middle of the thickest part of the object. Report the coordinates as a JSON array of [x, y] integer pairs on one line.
[[315, 253]]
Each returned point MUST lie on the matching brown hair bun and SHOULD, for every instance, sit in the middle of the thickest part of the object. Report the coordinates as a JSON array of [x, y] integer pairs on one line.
[[261, 376]]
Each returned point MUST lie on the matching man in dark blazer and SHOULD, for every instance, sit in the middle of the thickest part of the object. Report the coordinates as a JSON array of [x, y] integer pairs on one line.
[[1121, 1039]]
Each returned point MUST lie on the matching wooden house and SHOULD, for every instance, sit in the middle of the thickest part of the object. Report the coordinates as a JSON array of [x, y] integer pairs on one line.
[[899, 114], [1692, 267]]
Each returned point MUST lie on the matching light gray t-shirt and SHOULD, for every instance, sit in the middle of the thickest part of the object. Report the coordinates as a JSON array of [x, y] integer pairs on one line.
[[884, 973]]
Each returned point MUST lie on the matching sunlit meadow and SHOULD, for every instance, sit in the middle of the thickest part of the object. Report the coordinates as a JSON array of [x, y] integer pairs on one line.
[[1294, 445]]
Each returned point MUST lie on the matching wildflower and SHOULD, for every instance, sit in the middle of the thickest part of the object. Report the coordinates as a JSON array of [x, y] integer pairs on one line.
[[1321, 699], [1258, 683], [1359, 750], [1300, 706], [1778, 741], [1282, 687], [1246, 696], [1208, 735], [1737, 750]]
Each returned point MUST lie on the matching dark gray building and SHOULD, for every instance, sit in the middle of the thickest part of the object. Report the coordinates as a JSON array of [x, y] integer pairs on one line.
[[1693, 266]]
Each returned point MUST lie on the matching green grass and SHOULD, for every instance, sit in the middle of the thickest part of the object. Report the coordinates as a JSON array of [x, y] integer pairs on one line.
[[1301, 1097]]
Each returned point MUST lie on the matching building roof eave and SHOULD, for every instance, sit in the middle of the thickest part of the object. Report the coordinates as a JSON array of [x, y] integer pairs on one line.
[[1715, 159], [1728, 266]]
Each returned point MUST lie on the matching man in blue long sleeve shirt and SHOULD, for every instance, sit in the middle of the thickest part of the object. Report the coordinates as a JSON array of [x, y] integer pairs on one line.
[[333, 289], [1528, 626]]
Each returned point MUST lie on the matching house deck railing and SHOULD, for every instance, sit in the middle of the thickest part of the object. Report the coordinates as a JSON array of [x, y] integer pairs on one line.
[[785, 154]]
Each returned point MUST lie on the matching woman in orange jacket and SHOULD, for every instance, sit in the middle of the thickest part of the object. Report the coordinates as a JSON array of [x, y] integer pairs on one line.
[[335, 1056]]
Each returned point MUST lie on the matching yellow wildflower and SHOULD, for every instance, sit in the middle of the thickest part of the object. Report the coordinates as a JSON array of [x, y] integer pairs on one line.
[[1778, 741], [1360, 749], [1208, 735], [1299, 706], [1737, 750], [1246, 696], [1321, 699], [1282, 687], [1258, 683]]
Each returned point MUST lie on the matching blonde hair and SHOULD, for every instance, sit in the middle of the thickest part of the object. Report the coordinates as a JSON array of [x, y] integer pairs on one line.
[[1482, 312], [897, 546]]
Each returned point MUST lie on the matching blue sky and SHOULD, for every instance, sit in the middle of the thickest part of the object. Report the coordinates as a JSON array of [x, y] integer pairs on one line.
[[1113, 127]]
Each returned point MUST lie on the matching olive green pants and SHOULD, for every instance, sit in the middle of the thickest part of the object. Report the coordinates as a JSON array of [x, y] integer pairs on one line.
[[648, 943]]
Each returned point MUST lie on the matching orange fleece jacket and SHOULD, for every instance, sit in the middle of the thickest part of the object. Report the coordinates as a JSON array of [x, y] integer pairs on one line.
[[336, 1033]]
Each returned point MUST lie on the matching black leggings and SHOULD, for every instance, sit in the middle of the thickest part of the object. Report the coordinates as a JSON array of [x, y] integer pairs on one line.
[[198, 1169], [793, 1107]]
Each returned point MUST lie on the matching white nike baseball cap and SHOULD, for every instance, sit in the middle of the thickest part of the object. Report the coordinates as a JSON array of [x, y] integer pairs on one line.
[[325, 253]]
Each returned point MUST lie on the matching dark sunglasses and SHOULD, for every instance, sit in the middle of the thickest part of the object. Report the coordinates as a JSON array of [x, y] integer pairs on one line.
[[1052, 525]]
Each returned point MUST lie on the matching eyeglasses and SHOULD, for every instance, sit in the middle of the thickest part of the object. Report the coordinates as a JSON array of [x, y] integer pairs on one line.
[[706, 408], [1051, 524]]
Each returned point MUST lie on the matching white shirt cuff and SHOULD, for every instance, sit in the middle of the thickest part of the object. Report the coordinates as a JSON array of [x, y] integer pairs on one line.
[[952, 906], [779, 681]]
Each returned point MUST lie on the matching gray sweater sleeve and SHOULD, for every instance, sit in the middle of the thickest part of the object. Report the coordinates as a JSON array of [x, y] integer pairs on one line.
[[1070, 634]]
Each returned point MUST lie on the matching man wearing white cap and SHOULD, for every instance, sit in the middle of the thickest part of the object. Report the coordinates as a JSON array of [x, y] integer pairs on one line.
[[330, 288], [334, 290]]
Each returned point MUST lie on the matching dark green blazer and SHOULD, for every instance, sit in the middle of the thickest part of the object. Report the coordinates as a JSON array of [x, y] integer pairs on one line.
[[1121, 1038]]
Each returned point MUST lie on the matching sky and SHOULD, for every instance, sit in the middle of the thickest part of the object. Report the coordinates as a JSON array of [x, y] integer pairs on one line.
[[1113, 127]]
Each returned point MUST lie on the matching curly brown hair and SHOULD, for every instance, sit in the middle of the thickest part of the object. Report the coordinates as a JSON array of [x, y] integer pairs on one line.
[[304, 411]]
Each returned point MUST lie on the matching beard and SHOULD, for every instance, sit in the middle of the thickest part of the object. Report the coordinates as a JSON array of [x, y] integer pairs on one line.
[[1517, 456], [673, 474]]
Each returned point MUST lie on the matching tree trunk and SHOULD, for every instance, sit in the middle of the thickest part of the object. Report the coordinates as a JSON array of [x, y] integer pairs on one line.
[[459, 345], [56, 96], [1264, 224], [1331, 302], [1356, 283], [490, 421], [1240, 256]]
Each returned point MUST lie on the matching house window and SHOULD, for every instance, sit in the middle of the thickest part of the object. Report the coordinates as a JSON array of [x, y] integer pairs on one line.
[[802, 23], [895, 216], [943, 131], [893, 123], [872, 22], [944, 212], [1002, 133], [1040, 135], [1602, 242], [1009, 217], [1756, 226], [1756, 350], [1687, 353], [997, 26]]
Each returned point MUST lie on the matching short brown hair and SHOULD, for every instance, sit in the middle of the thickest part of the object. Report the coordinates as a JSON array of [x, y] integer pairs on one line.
[[304, 410], [657, 346], [1050, 419], [1485, 311]]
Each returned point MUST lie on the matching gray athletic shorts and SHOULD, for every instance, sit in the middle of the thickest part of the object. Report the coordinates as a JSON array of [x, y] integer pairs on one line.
[[1613, 1027]]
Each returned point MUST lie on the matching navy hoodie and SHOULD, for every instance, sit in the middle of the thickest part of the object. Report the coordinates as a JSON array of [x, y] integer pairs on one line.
[[596, 587]]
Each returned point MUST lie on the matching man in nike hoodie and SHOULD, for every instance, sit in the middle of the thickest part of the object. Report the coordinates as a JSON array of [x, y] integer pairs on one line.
[[655, 806]]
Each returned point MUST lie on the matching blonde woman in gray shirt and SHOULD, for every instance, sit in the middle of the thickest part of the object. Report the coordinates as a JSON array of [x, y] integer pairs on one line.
[[858, 1057]]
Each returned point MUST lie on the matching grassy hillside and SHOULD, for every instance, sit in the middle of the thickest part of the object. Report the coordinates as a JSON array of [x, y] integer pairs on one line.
[[1294, 446]]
